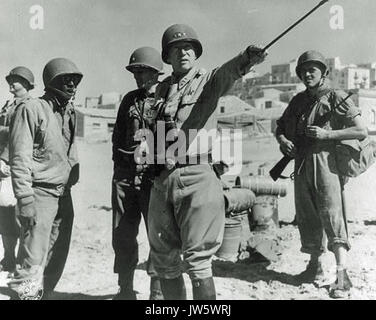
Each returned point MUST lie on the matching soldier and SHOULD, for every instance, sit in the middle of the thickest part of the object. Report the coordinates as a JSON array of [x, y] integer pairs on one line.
[[186, 211], [131, 182], [21, 81], [44, 167], [308, 131]]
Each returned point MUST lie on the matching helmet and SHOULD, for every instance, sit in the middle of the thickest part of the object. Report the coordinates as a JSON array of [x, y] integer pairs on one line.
[[22, 72], [177, 33], [145, 57], [311, 56], [58, 67]]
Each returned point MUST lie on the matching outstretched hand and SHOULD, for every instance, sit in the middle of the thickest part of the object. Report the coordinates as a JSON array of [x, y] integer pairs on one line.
[[256, 54]]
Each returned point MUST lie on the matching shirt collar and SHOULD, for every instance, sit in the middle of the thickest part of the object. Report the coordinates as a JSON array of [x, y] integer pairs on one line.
[[25, 97], [321, 91], [184, 80], [57, 106]]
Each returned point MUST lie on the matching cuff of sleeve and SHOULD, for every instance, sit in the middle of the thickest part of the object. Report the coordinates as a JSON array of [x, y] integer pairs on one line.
[[245, 63], [25, 201]]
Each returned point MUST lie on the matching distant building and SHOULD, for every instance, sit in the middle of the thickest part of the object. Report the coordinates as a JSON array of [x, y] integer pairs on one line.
[[232, 104], [267, 103], [351, 76], [95, 123], [267, 78], [107, 100], [372, 72], [268, 93], [285, 87], [255, 119], [366, 100], [284, 73]]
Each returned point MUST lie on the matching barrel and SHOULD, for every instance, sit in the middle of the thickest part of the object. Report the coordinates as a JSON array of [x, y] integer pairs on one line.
[[238, 200], [262, 185], [229, 249], [264, 213]]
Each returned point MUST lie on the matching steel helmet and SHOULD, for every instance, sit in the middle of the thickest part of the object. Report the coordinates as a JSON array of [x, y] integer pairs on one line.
[[145, 57], [23, 73], [177, 33], [58, 67], [311, 56]]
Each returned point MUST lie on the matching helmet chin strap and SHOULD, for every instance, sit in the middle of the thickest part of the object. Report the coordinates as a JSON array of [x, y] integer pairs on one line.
[[62, 97], [323, 77]]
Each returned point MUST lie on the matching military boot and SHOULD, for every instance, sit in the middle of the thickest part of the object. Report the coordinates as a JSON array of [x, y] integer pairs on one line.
[[126, 291], [203, 289], [173, 289], [8, 265], [313, 273], [125, 294], [340, 289], [155, 289]]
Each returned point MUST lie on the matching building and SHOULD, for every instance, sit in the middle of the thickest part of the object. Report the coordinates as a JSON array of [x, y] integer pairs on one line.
[[284, 73], [352, 77], [285, 87], [348, 77], [372, 68], [267, 78], [253, 120], [232, 104], [366, 100], [94, 123]]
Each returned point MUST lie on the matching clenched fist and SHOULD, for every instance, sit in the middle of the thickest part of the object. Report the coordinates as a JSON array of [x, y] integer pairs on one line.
[[287, 147], [317, 133], [4, 169], [256, 54]]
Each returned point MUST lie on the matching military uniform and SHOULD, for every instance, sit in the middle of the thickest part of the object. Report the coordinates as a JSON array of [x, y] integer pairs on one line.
[[319, 197], [45, 143], [9, 225], [130, 186], [44, 166], [187, 211]]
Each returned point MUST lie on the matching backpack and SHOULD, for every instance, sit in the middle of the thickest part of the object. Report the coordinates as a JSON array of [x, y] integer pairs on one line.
[[353, 157]]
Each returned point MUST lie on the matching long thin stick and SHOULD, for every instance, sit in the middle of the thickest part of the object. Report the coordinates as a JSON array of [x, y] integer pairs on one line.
[[293, 26]]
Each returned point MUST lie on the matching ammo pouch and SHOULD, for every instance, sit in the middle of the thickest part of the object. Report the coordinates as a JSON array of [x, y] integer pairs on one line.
[[353, 157]]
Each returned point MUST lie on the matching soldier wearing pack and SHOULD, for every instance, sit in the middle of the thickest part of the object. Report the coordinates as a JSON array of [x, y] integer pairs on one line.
[[44, 166], [21, 81], [186, 211], [131, 180], [314, 121]]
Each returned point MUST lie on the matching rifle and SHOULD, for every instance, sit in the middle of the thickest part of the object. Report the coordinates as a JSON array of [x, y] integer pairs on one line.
[[277, 170]]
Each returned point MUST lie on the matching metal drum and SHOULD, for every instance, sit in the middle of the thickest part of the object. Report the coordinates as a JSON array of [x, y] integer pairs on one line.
[[229, 249], [261, 185], [264, 213]]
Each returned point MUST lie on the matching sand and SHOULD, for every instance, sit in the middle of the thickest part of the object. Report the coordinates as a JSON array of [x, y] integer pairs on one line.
[[89, 270]]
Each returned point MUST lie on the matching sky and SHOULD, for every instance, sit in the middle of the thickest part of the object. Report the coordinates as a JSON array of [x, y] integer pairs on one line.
[[100, 35]]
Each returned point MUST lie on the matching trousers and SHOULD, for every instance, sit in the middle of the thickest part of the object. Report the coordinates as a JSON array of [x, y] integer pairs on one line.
[[186, 217]]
